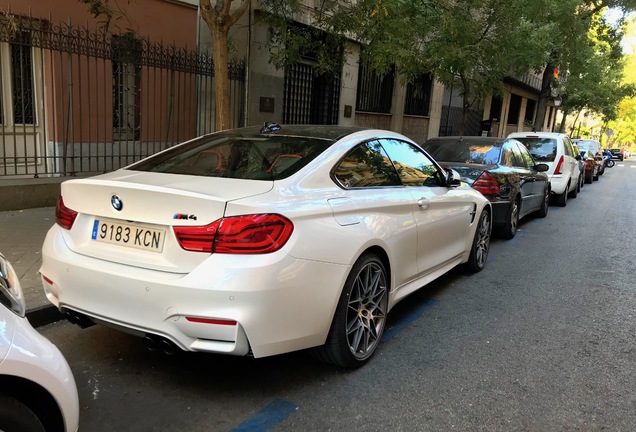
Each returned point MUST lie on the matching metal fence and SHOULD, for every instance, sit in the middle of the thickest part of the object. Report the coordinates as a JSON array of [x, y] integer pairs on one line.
[[74, 100], [452, 118]]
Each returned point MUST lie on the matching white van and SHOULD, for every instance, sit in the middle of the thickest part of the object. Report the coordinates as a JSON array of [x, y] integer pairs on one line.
[[556, 150]]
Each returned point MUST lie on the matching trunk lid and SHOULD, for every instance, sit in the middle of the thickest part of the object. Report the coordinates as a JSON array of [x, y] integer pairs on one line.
[[140, 232]]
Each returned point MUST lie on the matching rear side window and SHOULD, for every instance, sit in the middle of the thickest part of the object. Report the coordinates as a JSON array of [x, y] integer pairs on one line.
[[541, 149], [254, 157]]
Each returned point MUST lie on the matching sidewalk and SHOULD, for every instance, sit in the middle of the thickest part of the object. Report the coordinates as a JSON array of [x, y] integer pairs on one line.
[[22, 233]]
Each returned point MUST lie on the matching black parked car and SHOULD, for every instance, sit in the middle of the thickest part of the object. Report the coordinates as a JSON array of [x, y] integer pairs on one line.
[[502, 170]]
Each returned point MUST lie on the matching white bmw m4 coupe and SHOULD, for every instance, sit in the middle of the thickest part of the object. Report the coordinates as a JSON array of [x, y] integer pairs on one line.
[[261, 241]]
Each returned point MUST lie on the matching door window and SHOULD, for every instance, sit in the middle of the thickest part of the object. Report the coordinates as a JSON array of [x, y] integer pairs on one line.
[[414, 167], [526, 156], [367, 165]]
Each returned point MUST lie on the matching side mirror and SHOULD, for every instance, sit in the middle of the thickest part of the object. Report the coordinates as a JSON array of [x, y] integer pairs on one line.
[[543, 167], [452, 178]]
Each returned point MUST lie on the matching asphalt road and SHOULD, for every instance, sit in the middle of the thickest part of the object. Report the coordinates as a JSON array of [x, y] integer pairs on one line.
[[541, 340]]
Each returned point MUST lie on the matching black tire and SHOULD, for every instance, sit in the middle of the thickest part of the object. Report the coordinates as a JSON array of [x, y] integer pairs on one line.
[[509, 230], [545, 205], [574, 192], [595, 178], [360, 316], [610, 163], [562, 199], [17, 417], [481, 243], [581, 181]]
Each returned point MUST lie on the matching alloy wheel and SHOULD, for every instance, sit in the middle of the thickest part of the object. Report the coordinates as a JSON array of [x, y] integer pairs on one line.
[[482, 242], [366, 310]]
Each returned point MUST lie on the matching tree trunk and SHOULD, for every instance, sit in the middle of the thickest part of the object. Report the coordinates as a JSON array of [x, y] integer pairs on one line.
[[465, 106], [220, 19], [542, 104], [221, 80], [562, 125]]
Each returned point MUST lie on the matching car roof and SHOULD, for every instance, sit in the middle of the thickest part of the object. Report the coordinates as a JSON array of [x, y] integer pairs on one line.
[[328, 132], [495, 141], [536, 135], [578, 140]]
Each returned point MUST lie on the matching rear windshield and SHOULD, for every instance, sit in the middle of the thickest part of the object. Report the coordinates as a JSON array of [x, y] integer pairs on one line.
[[256, 157], [463, 152], [541, 149]]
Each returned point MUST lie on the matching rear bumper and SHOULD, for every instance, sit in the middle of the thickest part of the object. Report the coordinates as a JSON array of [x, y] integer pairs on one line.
[[278, 303], [500, 210], [558, 184]]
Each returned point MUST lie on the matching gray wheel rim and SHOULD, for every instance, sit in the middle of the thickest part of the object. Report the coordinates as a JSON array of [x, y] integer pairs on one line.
[[514, 217], [483, 240], [366, 310]]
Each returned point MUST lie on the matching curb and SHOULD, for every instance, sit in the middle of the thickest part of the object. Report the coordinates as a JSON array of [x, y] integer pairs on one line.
[[43, 315]]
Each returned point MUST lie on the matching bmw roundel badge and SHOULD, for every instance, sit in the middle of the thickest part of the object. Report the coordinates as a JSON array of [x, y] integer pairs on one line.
[[116, 202]]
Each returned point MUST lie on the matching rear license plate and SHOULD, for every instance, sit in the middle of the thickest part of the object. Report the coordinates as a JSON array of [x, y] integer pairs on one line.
[[129, 234]]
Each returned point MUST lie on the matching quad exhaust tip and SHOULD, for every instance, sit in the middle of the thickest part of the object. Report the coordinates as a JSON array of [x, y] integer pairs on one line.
[[79, 319], [159, 343]]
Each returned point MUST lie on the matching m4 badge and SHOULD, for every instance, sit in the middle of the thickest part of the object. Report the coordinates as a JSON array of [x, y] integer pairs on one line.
[[183, 216]]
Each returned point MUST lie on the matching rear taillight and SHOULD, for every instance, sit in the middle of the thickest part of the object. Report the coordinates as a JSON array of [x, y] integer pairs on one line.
[[559, 167], [197, 238], [64, 216], [487, 184], [250, 234]]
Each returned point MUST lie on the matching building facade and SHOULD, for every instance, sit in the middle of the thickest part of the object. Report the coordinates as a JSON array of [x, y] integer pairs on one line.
[[76, 99]]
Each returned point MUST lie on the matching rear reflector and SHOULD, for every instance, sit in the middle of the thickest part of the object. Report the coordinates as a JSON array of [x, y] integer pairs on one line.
[[64, 216], [211, 321], [249, 234], [47, 280], [486, 183], [559, 167]]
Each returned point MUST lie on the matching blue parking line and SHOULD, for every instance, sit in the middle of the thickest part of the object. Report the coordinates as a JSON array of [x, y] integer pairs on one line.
[[391, 332], [268, 418]]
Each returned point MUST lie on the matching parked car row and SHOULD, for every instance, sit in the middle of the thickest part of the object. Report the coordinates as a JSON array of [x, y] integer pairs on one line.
[[220, 244]]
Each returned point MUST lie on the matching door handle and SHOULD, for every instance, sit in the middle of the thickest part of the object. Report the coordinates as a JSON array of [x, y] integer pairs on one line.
[[423, 202]]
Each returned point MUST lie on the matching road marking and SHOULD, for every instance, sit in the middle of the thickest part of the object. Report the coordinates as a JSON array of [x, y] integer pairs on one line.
[[392, 331], [268, 418]]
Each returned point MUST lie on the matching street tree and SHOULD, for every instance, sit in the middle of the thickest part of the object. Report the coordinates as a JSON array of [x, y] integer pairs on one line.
[[571, 21], [470, 46]]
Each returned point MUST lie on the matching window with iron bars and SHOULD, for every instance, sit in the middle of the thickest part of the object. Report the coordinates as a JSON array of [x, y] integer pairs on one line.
[[375, 91], [21, 69], [126, 63], [418, 95]]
